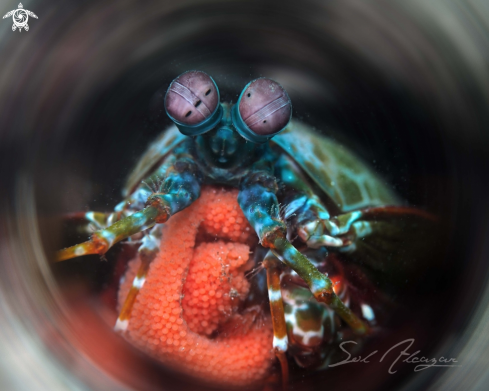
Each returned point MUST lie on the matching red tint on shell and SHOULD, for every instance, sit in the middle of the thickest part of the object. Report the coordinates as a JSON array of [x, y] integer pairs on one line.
[[194, 289], [198, 84], [261, 93]]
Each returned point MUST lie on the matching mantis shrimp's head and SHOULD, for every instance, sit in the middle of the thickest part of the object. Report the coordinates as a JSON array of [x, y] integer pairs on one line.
[[231, 133]]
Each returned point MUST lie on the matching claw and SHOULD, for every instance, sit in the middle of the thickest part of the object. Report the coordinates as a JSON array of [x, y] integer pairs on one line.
[[260, 206]]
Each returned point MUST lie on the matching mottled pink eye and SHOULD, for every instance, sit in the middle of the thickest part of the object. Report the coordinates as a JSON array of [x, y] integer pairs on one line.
[[265, 107], [191, 98]]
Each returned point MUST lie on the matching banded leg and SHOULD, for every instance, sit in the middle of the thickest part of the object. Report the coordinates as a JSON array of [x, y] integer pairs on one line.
[[280, 340], [260, 206], [147, 253], [180, 188]]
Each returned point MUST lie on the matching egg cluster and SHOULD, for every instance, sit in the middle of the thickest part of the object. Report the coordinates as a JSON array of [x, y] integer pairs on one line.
[[214, 286], [191, 291], [225, 219]]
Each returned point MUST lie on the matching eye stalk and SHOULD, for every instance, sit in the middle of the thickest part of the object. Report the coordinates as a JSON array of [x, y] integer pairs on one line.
[[192, 103], [263, 110]]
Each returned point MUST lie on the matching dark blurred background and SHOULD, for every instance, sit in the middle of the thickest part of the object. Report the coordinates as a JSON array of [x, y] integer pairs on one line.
[[404, 84]]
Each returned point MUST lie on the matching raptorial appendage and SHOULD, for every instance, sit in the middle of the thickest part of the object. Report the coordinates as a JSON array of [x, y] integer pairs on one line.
[[260, 205], [180, 187], [102, 240]]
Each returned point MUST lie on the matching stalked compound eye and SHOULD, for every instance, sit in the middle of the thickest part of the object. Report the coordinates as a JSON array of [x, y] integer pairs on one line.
[[262, 111], [192, 102]]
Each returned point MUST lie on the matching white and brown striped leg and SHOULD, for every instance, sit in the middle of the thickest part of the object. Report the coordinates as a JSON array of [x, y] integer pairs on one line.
[[147, 252], [280, 340]]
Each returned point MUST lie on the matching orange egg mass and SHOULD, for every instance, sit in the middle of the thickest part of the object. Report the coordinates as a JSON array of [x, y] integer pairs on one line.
[[187, 313]]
